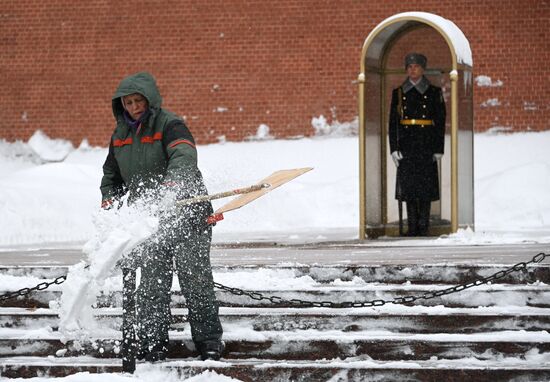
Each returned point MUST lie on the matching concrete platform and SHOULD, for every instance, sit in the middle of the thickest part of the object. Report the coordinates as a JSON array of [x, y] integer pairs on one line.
[[327, 253]]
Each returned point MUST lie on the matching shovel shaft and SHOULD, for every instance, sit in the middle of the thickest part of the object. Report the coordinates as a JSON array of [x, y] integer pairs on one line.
[[225, 194]]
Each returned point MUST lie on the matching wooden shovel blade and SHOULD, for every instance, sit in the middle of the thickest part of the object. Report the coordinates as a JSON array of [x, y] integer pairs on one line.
[[275, 180]]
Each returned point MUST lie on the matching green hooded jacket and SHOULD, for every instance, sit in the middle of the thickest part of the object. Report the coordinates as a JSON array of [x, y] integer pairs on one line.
[[160, 151]]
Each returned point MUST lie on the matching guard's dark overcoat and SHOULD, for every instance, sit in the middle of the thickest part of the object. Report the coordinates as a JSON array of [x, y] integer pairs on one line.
[[417, 175]]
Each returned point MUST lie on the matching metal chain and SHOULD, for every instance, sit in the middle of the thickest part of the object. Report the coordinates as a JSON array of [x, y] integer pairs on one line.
[[400, 300], [328, 304], [26, 291]]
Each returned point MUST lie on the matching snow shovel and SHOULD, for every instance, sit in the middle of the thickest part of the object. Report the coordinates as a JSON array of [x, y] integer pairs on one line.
[[248, 194]]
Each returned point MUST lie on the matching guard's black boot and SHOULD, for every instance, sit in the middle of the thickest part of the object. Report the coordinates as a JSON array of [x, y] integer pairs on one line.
[[423, 217], [211, 349], [412, 217]]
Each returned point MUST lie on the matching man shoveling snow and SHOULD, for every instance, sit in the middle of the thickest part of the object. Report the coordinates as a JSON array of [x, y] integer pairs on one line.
[[152, 156], [163, 221]]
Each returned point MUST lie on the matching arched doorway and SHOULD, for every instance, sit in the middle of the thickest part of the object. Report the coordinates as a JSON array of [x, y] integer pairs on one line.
[[450, 67]]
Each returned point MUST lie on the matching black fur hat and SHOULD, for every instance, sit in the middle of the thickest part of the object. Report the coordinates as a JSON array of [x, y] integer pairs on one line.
[[416, 58]]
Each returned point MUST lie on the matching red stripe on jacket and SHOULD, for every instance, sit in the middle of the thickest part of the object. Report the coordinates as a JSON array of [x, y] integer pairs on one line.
[[146, 139], [175, 143], [120, 142], [151, 139]]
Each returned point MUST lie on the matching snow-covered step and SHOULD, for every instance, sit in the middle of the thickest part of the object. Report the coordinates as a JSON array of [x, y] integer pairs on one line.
[[534, 295], [417, 319], [534, 367], [495, 295], [390, 273], [491, 332], [243, 342]]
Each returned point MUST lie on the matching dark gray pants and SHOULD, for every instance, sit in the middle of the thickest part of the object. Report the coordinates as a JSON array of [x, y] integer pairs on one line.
[[189, 250]]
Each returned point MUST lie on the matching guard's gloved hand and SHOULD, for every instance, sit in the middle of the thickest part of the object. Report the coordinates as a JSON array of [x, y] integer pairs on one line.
[[437, 156], [396, 156]]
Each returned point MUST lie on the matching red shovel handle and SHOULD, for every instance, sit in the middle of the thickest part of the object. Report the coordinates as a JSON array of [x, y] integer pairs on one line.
[[212, 219]]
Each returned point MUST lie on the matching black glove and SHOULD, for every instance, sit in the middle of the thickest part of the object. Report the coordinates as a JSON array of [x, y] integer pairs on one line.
[[195, 215]]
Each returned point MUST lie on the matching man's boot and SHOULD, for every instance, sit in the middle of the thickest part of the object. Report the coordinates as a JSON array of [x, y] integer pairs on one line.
[[210, 349], [156, 353]]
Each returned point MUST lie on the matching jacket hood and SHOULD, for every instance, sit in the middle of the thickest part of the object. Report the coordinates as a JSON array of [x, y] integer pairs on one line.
[[143, 83]]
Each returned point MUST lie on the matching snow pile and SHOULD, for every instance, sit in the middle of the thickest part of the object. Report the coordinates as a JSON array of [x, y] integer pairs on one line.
[[261, 134], [117, 233], [336, 128], [50, 150], [16, 156], [491, 102], [266, 279], [485, 81]]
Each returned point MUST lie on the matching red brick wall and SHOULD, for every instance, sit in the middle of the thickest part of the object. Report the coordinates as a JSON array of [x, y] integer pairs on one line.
[[229, 66]]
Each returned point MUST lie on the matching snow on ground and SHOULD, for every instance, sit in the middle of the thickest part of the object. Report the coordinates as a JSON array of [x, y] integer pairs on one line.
[[45, 202], [49, 196]]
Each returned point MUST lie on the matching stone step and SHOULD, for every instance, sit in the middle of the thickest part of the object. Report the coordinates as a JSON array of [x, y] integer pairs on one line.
[[394, 319], [354, 370], [536, 295], [296, 345], [393, 273], [495, 295], [445, 338]]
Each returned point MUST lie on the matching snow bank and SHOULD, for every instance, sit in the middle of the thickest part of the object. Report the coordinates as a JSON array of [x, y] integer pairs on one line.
[[52, 203], [50, 150]]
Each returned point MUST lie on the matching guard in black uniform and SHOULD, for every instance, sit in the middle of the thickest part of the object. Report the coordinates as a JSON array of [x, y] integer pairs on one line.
[[417, 140]]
